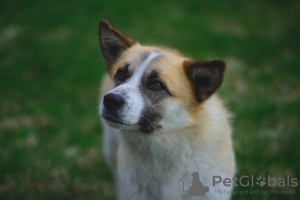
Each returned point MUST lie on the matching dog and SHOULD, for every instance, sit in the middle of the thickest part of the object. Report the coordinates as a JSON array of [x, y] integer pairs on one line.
[[162, 118]]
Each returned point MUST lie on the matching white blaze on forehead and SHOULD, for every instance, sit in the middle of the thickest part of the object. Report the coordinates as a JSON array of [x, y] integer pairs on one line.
[[138, 74], [134, 102]]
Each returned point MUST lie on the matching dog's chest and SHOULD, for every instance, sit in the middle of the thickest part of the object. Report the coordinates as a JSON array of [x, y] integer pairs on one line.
[[155, 179]]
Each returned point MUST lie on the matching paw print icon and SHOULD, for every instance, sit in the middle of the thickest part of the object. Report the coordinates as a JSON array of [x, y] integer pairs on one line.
[[261, 181]]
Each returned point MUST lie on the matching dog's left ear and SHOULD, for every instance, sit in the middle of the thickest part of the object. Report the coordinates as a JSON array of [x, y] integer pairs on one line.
[[205, 77], [112, 43]]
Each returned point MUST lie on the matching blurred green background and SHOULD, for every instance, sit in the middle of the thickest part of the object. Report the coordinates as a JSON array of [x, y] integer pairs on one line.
[[51, 67]]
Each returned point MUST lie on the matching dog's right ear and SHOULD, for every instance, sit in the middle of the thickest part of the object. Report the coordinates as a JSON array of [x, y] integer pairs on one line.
[[112, 43]]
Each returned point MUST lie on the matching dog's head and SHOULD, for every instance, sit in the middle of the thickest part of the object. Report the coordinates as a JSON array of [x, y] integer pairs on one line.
[[154, 88]]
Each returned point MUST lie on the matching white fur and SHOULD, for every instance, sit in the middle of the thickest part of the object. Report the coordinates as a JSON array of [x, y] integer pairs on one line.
[[174, 116]]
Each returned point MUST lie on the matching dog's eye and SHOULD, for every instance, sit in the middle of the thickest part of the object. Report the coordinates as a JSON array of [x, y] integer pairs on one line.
[[157, 85], [121, 75]]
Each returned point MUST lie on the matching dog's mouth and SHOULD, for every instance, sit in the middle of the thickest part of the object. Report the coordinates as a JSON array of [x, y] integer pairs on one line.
[[114, 120], [117, 123]]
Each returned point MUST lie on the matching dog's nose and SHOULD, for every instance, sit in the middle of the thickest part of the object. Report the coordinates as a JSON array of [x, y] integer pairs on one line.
[[113, 101]]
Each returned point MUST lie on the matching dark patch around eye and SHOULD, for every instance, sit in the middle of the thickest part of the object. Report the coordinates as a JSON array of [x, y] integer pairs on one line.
[[153, 110], [151, 78], [125, 70]]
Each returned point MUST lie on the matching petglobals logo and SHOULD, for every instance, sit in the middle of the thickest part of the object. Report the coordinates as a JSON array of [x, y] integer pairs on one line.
[[246, 181], [192, 185]]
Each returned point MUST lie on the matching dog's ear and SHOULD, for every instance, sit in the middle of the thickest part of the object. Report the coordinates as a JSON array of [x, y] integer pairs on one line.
[[205, 77], [112, 42]]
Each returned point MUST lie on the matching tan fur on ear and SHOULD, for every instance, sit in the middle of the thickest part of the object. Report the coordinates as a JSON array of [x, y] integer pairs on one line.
[[205, 76], [112, 42]]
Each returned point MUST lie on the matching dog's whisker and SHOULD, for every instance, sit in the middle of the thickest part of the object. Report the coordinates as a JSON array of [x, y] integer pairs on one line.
[[147, 119]]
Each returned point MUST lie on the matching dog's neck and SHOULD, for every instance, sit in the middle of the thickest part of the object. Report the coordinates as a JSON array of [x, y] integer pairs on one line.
[[161, 145]]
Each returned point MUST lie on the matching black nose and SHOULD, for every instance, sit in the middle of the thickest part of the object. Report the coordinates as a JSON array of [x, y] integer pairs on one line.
[[113, 101]]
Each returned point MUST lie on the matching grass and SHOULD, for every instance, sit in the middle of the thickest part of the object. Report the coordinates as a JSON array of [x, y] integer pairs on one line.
[[51, 66]]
